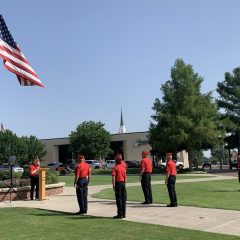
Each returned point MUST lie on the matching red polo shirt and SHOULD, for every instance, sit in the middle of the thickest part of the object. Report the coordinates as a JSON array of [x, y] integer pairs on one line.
[[82, 170], [119, 172], [32, 168], [146, 165], [124, 164], [171, 168]]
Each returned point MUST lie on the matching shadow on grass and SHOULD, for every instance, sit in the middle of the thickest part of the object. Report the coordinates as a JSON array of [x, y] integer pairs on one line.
[[54, 213]]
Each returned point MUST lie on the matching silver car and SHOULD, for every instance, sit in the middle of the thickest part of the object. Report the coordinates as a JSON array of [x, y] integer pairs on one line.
[[94, 164]]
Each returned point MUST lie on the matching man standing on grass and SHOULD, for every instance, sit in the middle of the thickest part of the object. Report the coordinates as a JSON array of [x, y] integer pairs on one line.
[[171, 172], [145, 177], [82, 178], [119, 178]]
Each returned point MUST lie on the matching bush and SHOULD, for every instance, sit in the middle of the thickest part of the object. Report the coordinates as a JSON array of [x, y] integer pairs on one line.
[[4, 175], [23, 179], [51, 177]]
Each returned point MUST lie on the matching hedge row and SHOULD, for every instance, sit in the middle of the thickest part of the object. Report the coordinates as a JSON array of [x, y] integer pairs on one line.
[[23, 179]]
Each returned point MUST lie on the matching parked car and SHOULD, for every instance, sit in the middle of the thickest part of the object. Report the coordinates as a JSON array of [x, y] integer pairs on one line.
[[63, 169], [60, 167], [14, 168], [94, 164], [179, 165], [71, 166], [53, 165], [110, 163], [207, 165], [132, 164]]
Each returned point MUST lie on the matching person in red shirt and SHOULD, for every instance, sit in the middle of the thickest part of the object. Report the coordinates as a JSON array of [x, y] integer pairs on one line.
[[81, 181], [119, 178], [171, 172], [118, 156], [145, 177], [34, 177]]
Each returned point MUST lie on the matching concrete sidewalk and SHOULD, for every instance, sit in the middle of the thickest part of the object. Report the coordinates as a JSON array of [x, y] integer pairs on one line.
[[204, 219]]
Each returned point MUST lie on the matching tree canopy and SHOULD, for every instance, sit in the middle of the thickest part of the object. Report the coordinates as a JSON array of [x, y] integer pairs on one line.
[[24, 148], [90, 139], [185, 119], [229, 103]]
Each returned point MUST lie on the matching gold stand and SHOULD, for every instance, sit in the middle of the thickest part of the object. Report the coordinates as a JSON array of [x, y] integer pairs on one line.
[[42, 184]]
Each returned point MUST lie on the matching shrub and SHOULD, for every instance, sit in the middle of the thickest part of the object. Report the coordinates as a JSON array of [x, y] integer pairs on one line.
[[21, 180], [4, 175], [51, 177]]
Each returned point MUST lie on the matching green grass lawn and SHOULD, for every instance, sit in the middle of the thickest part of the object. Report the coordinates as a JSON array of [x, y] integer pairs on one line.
[[222, 194], [107, 179], [25, 223]]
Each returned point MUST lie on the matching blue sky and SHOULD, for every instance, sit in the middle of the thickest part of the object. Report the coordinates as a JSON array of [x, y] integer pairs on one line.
[[95, 57]]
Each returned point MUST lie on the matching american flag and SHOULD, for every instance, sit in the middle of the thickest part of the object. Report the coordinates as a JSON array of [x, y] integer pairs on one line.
[[14, 59]]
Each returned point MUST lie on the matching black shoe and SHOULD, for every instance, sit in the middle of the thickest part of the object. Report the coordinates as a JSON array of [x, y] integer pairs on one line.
[[118, 217], [170, 205], [145, 203], [124, 216]]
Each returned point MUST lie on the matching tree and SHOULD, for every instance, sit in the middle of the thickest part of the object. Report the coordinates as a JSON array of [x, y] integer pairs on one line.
[[229, 103], [91, 140], [185, 119], [9, 145], [34, 148], [24, 148]]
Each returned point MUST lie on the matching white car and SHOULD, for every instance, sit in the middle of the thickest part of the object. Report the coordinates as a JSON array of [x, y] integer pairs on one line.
[[110, 163], [14, 168], [179, 165], [94, 164]]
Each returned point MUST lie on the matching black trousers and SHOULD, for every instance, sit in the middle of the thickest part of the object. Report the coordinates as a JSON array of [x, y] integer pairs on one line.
[[171, 190], [121, 198], [82, 193], [147, 187], [34, 183], [239, 176]]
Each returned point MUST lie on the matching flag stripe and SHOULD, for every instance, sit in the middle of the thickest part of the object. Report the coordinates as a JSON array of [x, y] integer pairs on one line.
[[7, 51], [13, 51], [17, 62], [24, 82], [20, 72]]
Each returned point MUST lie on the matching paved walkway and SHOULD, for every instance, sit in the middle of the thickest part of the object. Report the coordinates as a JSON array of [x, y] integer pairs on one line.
[[203, 219]]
